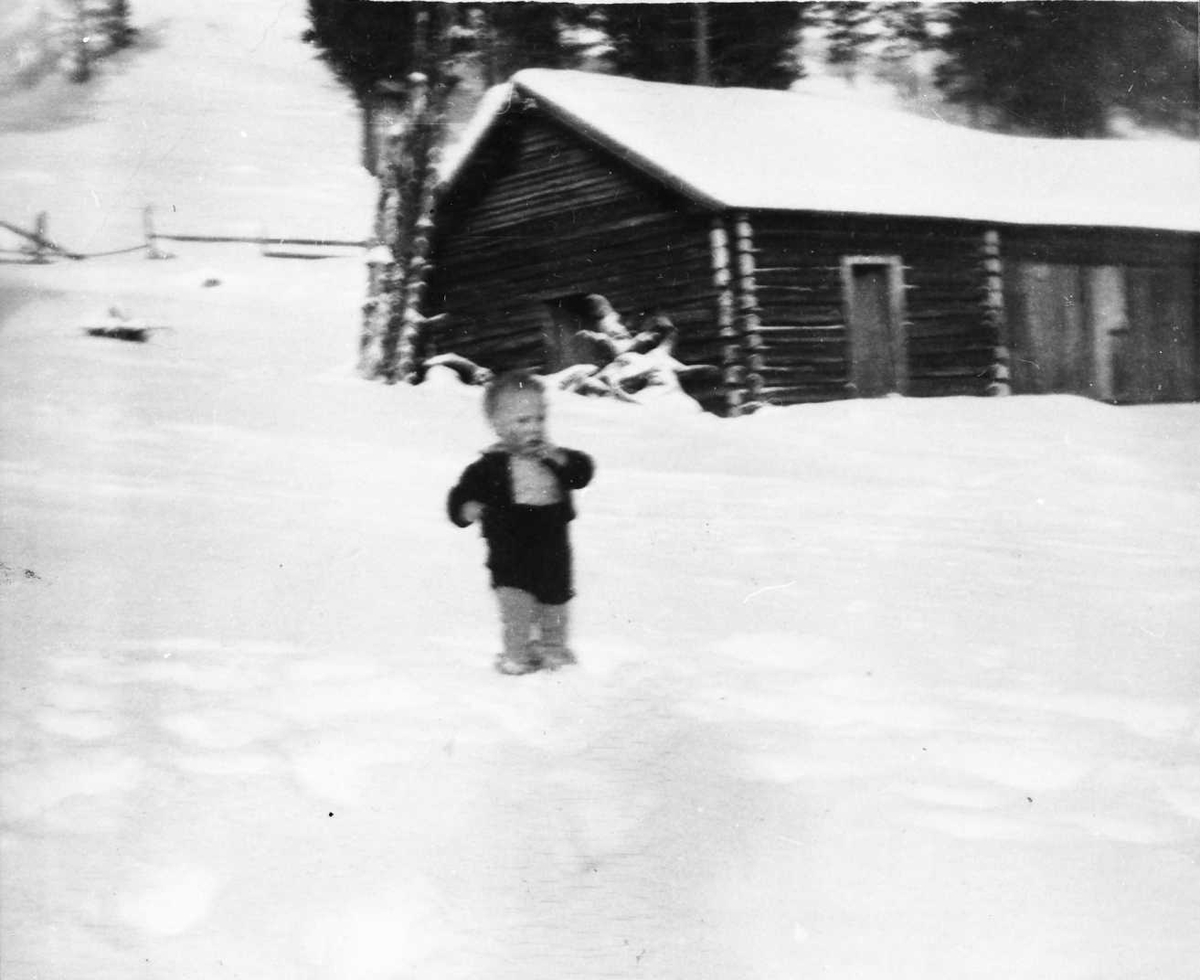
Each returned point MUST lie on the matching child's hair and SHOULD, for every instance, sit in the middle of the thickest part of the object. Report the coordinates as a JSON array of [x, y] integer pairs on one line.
[[507, 383]]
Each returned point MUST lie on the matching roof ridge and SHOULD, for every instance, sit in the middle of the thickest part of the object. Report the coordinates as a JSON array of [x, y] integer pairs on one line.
[[759, 149]]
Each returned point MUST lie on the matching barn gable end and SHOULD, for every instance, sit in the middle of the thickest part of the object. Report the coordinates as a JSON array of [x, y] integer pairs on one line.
[[543, 218]]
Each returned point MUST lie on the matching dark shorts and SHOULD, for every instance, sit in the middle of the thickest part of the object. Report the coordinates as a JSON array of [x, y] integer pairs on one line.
[[529, 549]]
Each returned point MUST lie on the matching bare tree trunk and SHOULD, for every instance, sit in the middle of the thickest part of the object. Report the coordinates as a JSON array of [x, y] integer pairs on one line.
[[391, 341], [382, 266], [409, 176]]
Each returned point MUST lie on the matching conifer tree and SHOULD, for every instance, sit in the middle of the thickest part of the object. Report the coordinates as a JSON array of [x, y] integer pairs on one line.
[[116, 24], [421, 48], [1065, 67], [747, 44]]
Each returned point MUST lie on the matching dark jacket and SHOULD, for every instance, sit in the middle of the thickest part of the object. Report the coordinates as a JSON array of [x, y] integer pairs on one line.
[[528, 545]]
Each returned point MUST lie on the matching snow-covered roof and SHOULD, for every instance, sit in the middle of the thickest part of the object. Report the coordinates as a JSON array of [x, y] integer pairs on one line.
[[757, 149]]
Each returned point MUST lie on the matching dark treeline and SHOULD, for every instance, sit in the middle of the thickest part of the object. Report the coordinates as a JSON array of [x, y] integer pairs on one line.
[[1064, 67], [1054, 67]]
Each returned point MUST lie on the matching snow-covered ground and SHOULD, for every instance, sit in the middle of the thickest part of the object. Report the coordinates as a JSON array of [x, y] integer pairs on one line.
[[221, 120], [868, 691]]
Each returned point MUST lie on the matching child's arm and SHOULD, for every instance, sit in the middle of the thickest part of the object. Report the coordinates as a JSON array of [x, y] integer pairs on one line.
[[465, 503], [574, 469]]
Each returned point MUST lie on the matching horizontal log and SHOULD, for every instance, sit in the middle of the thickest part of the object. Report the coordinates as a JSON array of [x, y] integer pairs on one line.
[[800, 358], [553, 195], [800, 270], [782, 341], [912, 234], [686, 302], [922, 325], [826, 362], [959, 340], [542, 223], [584, 266], [489, 212], [922, 373], [792, 394], [772, 298], [570, 181], [1097, 247], [688, 312], [465, 243], [792, 320], [611, 229], [798, 333], [918, 297], [949, 370], [788, 288], [639, 266], [786, 310], [829, 371], [563, 278], [966, 276], [946, 387], [962, 311], [964, 362], [551, 282]]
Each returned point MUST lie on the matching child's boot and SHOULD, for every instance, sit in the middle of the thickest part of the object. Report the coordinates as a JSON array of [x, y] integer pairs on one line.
[[555, 657], [517, 612], [552, 625], [508, 664]]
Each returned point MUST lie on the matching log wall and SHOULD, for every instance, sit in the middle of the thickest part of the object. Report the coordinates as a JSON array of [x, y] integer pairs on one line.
[[950, 328], [544, 216]]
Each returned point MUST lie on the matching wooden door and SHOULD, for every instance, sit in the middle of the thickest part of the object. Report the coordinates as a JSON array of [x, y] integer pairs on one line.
[[1156, 360], [1106, 313], [1048, 333], [874, 325]]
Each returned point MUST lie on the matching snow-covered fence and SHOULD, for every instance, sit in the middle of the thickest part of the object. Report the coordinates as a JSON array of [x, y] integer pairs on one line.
[[37, 246], [270, 244]]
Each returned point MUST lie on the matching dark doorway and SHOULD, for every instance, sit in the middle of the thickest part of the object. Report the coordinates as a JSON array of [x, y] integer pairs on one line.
[[568, 315]]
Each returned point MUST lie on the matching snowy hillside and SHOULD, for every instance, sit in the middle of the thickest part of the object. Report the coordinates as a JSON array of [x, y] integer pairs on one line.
[[221, 119], [888, 690]]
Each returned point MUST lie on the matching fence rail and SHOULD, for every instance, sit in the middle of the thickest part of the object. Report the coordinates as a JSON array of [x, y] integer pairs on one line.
[[265, 240], [41, 248], [38, 238]]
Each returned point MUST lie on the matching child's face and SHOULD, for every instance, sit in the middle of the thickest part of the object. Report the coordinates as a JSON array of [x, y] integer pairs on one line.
[[520, 420]]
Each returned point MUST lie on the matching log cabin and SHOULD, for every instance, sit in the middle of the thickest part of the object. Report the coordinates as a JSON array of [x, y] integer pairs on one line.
[[815, 249]]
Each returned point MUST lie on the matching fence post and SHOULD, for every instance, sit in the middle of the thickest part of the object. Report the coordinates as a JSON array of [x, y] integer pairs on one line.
[[153, 251], [41, 227]]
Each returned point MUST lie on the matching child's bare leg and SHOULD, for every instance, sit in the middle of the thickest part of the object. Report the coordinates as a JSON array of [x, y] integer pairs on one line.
[[553, 622], [518, 610]]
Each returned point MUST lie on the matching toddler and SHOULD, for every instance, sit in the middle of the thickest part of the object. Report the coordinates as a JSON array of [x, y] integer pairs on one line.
[[520, 491]]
